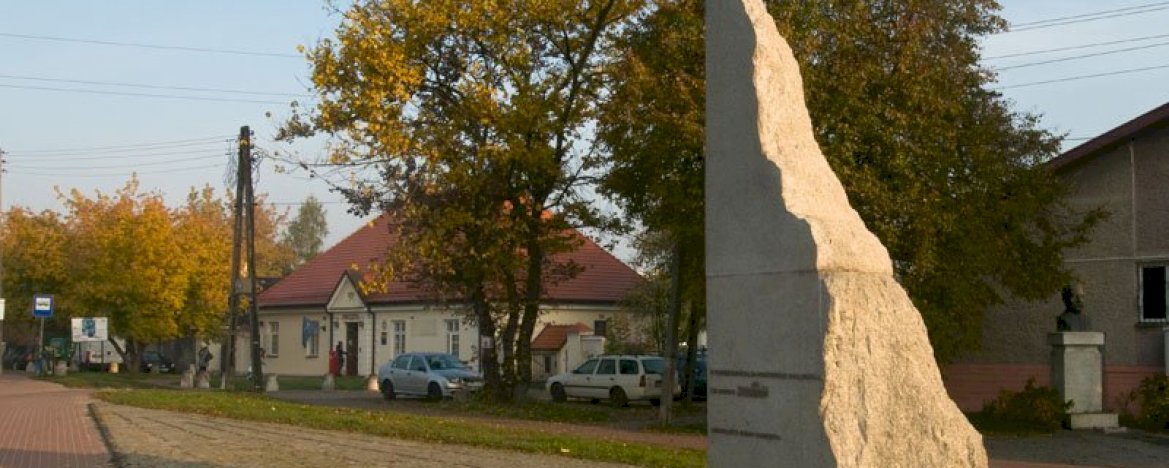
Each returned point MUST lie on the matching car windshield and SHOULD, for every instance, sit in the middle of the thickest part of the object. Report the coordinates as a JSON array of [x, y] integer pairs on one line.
[[444, 361], [654, 365]]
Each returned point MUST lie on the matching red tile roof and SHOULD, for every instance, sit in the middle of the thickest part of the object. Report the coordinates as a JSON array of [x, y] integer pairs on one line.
[[603, 279], [553, 337]]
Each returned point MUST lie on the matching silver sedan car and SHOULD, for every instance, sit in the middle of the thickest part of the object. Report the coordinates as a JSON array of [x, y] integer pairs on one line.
[[431, 375]]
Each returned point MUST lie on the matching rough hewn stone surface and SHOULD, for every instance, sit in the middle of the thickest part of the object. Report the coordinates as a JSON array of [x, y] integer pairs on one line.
[[820, 358]]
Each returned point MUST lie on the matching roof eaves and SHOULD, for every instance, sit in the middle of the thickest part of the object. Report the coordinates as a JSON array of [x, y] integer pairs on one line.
[[1124, 132]]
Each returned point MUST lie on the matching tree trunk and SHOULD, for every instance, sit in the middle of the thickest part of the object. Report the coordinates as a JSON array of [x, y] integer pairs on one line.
[[507, 338], [532, 292], [488, 360], [691, 353]]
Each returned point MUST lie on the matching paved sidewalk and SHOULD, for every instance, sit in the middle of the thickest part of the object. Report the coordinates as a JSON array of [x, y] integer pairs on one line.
[[44, 424]]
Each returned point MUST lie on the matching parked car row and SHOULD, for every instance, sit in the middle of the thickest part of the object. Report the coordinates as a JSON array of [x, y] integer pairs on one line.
[[619, 379]]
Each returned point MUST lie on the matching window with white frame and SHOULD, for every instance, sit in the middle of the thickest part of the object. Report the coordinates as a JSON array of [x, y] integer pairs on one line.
[[273, 338], [399, 337], [452, 337], [1153, 293]]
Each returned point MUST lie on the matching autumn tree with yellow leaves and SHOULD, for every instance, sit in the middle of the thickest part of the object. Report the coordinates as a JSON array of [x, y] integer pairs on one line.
[[157, 273]]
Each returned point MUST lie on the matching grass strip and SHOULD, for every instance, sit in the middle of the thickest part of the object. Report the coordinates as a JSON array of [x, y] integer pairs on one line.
[[251, 407]]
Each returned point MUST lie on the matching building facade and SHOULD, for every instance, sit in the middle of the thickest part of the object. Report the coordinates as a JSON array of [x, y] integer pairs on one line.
[[1121, 271], [322, 305]]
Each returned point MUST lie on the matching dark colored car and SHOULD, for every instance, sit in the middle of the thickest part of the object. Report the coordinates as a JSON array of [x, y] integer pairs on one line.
[[17, 357], [699, 374], [152, 361]]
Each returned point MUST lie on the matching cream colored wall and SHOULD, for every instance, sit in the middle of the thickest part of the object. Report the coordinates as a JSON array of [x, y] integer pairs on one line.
[[568, 315], [425, 331], [292, 358]]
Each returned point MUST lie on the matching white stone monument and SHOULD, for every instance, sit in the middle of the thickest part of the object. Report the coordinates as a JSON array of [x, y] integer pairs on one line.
[[820, 357]]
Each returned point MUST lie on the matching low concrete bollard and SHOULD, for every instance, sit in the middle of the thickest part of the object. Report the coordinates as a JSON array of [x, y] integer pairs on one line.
[[203, 379], [187, 380], [329, 384], [113, 368], [272, 384], [371, 384]]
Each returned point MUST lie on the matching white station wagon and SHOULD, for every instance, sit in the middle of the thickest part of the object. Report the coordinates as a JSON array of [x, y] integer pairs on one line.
[[620, 379]]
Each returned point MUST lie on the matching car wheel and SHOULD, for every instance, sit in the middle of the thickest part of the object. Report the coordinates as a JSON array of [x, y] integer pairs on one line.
[[617, 397], [433, 392], [558, 393], [388, 389]]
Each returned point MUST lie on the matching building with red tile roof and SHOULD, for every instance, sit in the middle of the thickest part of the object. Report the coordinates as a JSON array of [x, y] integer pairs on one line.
[[305, 315]]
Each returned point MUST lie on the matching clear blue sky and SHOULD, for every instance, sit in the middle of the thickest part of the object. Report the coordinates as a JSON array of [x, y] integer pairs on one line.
[[34, 122]]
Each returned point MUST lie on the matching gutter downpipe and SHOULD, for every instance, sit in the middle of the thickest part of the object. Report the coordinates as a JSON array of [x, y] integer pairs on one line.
[[329, 314]]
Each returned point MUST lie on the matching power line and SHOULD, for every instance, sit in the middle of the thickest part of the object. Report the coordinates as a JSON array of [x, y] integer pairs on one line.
[[124, 93], [302, 203], [151, 46], [121, 173], [118, 166], [114, 154], [150, 86], [1082, 77], [183, 142], [1082, 46], [1086, 17], [1084, 56]]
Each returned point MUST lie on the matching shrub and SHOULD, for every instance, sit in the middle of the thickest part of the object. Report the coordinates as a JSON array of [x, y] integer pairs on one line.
[[1153, 395], [1034, 409]]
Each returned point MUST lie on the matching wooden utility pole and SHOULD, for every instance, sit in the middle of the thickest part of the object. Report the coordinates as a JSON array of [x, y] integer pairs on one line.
[[245, 150], [228, 350], [241, 279]]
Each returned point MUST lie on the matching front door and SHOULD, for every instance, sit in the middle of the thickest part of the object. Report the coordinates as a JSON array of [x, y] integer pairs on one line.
[[351, 348]]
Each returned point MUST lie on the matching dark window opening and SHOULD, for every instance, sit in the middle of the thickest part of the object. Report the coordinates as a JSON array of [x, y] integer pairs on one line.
[[1153, 293], [599, 327]]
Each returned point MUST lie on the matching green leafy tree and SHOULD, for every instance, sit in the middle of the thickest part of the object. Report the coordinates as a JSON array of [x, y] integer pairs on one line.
[[652, 126], [484, 107], [306, 233], [940, 167]]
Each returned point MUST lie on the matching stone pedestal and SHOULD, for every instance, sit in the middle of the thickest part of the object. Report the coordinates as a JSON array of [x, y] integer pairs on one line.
[[203, 379], [1077, 372], [113, 368], [371, 384], [187, 380], [61, 368], [329, 384], [272, 384]]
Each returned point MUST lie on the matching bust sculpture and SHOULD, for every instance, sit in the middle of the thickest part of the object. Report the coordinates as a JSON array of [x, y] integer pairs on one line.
[[1073, 317]]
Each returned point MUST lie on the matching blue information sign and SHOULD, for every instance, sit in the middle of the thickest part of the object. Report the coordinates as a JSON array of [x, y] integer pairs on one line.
[[42, 305]]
